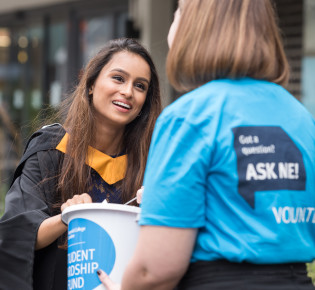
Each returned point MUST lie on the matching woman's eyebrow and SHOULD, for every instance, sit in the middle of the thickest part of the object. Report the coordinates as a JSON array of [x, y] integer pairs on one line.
[[126, 73]]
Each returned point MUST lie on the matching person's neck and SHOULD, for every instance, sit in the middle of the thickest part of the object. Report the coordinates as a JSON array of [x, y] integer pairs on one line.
[[109, 140]]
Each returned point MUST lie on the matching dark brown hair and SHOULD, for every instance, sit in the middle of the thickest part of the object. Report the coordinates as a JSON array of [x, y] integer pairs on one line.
[[79, 122], [226, 39]]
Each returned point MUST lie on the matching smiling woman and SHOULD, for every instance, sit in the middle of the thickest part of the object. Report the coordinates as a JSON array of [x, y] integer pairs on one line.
[[99, 152], [119, 93]]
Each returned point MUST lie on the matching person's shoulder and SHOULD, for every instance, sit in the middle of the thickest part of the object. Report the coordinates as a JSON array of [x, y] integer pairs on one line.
[[197, 102], [51, 129], [46, 137]]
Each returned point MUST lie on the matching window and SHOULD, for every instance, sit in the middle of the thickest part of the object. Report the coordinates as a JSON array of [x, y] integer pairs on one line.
[[41, 53]]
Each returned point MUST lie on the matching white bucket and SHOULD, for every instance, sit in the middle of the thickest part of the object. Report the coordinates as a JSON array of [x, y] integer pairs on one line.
[[100, 235]]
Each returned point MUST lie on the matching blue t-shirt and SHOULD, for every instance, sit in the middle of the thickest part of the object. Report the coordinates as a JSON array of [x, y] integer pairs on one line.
[[236, 159]]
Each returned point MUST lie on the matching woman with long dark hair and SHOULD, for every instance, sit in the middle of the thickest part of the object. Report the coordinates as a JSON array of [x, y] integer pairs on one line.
[[99, 152]]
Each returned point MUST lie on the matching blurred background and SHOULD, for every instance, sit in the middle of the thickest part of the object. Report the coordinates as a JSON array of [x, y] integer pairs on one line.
[[45, 43]]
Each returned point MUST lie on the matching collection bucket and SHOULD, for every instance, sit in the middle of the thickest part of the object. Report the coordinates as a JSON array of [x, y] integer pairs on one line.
[[100, 235]]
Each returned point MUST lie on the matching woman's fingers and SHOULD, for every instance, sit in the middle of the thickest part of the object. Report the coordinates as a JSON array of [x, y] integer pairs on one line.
[[77, 199], [106, 281], [139, 194], [86, 198]]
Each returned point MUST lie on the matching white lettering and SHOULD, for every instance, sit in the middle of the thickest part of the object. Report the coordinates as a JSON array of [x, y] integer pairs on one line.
[[270, 173], [75, 230], [301, 214], [277, 214], [310, 210], [283, 171], [76, 283], [292, 215], [251, 172], [260, 167], [284, 219], [291, 171], [245, 139], [259, 150], [261, 172], [81, 255], [82, 269], [294, 218], [288, 170]]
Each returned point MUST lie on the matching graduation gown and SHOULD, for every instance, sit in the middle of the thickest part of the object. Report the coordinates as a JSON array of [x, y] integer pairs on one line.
[[29, 202]]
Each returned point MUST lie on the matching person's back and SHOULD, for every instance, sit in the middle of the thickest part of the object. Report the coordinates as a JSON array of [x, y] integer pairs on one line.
[[229, 184], [258, 142]]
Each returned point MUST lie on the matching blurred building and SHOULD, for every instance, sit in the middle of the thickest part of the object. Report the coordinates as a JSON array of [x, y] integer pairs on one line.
[[45, 43]]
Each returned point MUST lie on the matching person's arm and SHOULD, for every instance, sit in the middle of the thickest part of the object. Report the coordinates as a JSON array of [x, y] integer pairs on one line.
[[160, 260], [49, 230], [53, 227]]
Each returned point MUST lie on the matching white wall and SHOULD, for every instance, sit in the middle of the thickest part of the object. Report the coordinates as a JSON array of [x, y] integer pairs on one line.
[[309, 27], [153, 18]]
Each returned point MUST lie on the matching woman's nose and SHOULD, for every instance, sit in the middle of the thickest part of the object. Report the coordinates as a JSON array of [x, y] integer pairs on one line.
[[127, 89]]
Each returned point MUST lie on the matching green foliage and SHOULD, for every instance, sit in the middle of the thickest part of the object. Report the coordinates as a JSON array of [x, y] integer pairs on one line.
[[311, 270]]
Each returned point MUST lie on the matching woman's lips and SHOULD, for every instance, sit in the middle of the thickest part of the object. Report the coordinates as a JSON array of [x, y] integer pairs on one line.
[[122, 106]]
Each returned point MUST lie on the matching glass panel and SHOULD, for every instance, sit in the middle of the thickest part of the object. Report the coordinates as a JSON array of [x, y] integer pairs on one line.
[[94, 33], [121, 24], [308, 63], [23, 93], [58, 60], [21, 72], [5, 44], [35, 64], [9, 135]]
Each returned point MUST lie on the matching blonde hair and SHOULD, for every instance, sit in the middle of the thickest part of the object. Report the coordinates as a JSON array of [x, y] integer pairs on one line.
[[226, 39]]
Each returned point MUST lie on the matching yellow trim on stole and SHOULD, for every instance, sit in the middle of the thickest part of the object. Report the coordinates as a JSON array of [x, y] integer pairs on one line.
[[110, 169]]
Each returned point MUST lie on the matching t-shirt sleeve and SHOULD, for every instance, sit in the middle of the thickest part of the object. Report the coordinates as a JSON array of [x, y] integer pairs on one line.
[[176, 173]]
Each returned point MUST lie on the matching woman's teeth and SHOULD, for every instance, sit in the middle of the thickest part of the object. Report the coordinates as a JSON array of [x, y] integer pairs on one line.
[[121, 104]]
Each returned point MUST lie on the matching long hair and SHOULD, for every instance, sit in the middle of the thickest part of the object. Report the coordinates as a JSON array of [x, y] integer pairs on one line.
[[79, 122], [226, 39]]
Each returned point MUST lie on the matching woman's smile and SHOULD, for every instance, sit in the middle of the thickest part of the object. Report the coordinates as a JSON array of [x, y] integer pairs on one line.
[[120, 90], [122, 105]]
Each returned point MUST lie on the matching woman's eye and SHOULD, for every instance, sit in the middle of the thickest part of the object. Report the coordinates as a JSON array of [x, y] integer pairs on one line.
[[140, 86], [118, 78]]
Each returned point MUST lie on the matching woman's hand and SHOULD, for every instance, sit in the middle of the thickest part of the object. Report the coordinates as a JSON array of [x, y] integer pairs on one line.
[[106, 281], [139, 194], [77, 199], [52, 228]]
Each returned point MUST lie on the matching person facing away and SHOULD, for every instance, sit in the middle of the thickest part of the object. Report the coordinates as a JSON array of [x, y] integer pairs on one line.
[[99, 152], [228, 199]]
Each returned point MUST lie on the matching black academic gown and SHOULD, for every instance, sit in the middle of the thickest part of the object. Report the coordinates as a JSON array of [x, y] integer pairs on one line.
[[28, 202]]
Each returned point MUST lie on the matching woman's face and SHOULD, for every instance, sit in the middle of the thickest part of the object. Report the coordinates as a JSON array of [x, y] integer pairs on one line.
[[120, 90], [173, 28]]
